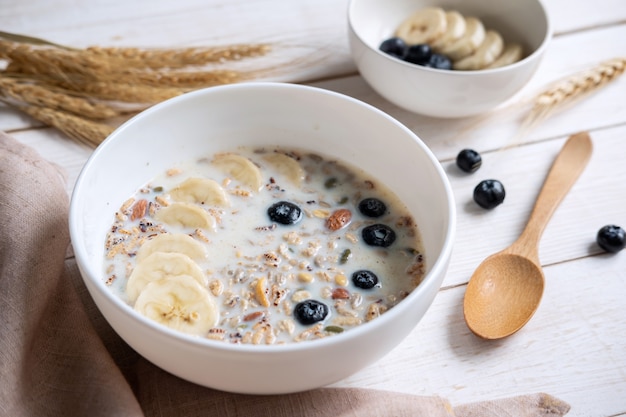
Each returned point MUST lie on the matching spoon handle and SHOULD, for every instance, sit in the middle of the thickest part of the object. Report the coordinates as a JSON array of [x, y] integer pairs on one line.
[[567, 167]]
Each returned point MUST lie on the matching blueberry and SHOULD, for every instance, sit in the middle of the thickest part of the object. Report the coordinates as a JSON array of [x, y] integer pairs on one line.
[[365, 279], [372, 207], [395, 47], [418, 54], [469, 160], [611, 238], [489, 194], [285, 212], [310, 311], [378, 235], [439, 61]]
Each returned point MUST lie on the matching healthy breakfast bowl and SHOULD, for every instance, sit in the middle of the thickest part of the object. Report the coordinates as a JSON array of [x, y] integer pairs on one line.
[[492, 47], [262, 238]]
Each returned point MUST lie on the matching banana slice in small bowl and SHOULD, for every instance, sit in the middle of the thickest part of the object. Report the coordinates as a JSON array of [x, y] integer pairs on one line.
[[486, 53]]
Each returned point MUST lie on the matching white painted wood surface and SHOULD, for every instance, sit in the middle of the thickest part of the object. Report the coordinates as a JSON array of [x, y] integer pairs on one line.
[[575, 346]]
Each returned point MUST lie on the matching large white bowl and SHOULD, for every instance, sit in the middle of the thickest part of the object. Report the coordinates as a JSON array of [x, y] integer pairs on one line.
[[442, 93], [222, 118]]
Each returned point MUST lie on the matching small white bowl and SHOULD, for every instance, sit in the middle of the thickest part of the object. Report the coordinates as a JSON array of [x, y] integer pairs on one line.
[[442, 93], [261, 114]]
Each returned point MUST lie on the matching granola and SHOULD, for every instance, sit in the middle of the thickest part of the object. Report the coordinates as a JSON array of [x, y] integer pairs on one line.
[[256, 268]]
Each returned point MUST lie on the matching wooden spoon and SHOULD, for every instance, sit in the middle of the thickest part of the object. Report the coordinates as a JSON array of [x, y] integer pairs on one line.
[[506, 288]]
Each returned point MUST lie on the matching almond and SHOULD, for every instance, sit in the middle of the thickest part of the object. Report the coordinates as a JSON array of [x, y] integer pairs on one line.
[[338, 219], [340, 294], [139, 210]]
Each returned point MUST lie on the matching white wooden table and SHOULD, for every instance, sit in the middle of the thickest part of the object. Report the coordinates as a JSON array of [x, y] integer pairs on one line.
[[575, 346]]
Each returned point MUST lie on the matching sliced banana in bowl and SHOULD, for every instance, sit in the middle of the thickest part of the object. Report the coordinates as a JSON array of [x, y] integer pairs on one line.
[[186, 215], [287, 166], [512, 53], [468, 43], [423, 26], [464, 40], [161, 265], [180, 303], [486, 54], [172, 243], [241, 169], [200, 190], [455, 29]]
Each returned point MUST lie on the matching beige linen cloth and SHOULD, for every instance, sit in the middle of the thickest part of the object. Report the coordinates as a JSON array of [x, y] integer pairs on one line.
[[58, 356]]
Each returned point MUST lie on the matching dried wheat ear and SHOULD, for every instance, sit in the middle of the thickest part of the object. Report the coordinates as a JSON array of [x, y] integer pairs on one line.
[[84, 92], [569, 90]]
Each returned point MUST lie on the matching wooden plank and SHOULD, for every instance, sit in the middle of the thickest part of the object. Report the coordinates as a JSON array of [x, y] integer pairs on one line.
[[568, 15], [11, 119], [573, 348]]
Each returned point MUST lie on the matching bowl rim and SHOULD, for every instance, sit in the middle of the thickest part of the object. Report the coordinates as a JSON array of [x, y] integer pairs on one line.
[[471, 73], [87, 272]]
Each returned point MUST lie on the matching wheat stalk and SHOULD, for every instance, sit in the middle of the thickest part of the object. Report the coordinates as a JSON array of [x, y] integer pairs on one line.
[[78, 128], [570, 90], [567, 91], [129, 63], [178, 58], [56, 62], [44, 97], [70, 88], [122, 92], [187, 79]]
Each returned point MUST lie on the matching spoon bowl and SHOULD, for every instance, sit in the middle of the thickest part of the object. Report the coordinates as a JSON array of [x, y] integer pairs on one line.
[[506, 288], [505, 291]]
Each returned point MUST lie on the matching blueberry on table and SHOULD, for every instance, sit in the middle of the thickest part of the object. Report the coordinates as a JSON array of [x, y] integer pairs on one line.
[[468, 160], [418, 54], [372, 207], [364, 279], [611, 238], [395, 47], [439, 61], [310, 311], [378, 235], [285, 212], [489, 194]]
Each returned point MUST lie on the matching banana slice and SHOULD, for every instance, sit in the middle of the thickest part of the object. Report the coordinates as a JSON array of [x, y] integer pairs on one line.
[[486, 54], [455, 29], [240, 168], [423, 26], [185, 215], [287, 166], [512, 53], [468, 43], [179, 303], [161, 265], [172, 243], [200, 190]]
